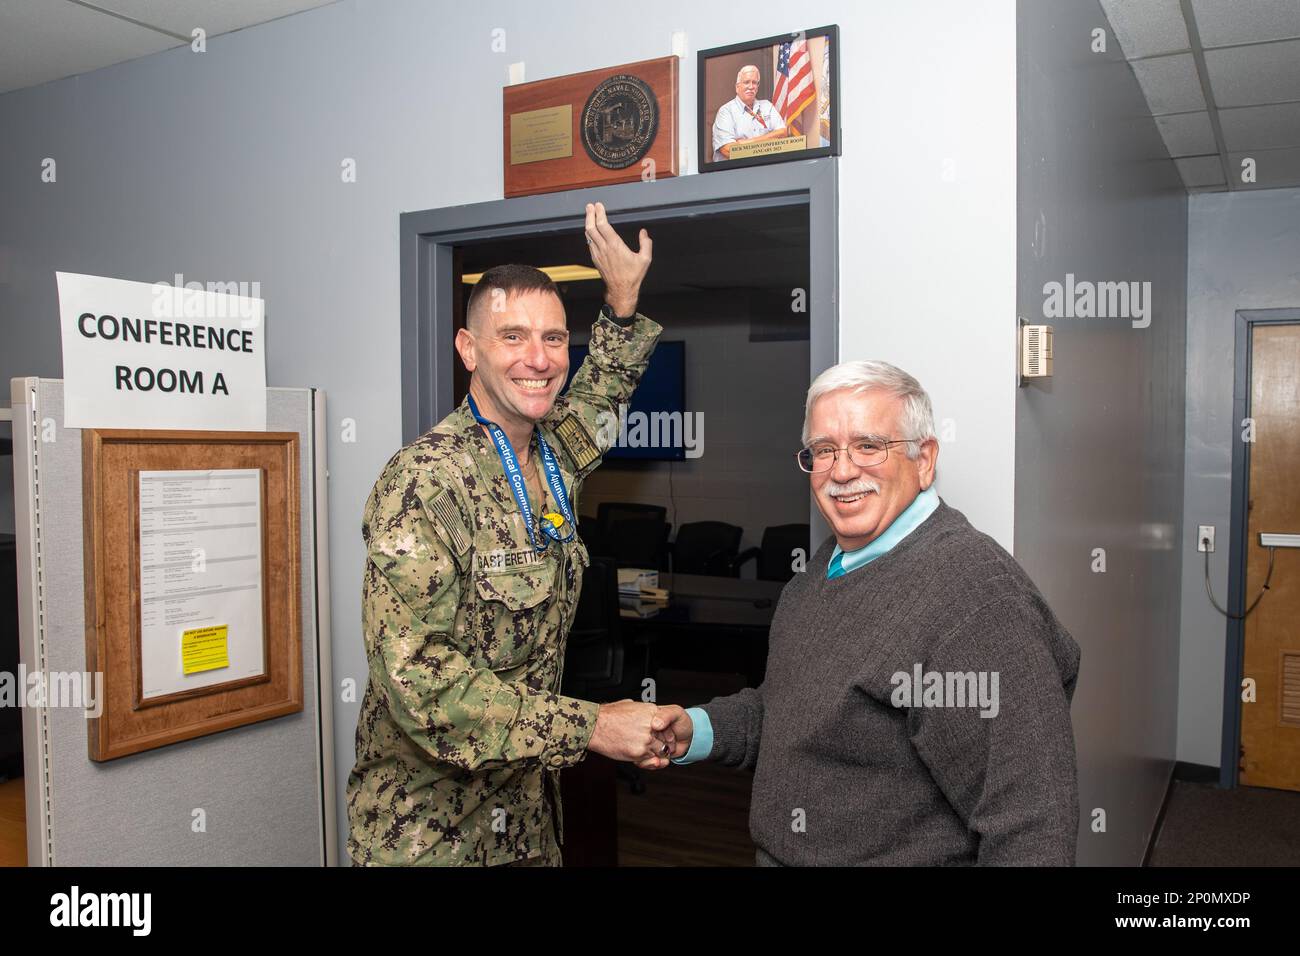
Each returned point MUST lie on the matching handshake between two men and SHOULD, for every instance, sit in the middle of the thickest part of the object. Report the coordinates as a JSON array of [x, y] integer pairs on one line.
[[641, 733]]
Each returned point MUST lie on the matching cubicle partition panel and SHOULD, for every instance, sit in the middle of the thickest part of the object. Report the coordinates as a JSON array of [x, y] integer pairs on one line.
[[260, 794]]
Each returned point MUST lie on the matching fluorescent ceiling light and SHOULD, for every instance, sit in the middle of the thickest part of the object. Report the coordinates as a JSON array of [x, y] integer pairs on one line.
[[557, 274]]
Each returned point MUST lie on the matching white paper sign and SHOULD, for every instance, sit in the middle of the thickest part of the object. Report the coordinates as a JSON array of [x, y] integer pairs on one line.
[[200, 567], [141, 355]]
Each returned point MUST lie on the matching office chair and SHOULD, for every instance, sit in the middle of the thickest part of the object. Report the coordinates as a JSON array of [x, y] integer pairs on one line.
[[610, 513], [707, 547], [775, 554], [638, 543], [589, 532], [596, 651], [594, 655]]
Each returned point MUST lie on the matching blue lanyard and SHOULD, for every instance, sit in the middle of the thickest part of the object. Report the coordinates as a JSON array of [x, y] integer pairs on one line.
[[549, 523]]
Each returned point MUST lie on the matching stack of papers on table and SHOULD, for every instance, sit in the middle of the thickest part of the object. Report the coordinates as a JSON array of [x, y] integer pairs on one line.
[[639, 594], [636, 607], [632, 581]]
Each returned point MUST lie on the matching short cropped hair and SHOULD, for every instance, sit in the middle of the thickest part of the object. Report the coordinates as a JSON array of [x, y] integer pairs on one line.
[[917, 418], [510, 280]]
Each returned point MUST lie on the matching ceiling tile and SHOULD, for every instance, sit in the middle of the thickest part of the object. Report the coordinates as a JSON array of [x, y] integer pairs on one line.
[[46, 41], [1261, 127], [182, 16], [1146, 27], [1274, 168], [1187, 134], [1235, 21], [1170, 83], [1251, 75], [1200, 171]]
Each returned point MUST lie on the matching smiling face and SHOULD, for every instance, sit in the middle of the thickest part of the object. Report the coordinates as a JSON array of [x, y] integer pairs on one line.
[[747, 85], [860, 503], [517, 352]]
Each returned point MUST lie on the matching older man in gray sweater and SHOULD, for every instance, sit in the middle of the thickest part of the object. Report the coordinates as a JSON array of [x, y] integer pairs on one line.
[[916, 705]]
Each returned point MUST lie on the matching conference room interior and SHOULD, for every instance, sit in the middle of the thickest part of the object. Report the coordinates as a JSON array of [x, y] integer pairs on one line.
[[708, 495]]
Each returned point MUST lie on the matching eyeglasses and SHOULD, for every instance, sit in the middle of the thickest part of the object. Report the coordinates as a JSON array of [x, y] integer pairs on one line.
[[864, 453]]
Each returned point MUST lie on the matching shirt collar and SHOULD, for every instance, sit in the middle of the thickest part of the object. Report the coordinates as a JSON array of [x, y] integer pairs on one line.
[[922, 506]]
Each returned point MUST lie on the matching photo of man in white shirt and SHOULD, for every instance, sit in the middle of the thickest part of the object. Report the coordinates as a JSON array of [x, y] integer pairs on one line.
[[745, 118]]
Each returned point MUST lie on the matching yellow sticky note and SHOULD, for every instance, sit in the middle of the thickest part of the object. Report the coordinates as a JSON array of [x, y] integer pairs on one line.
[[205, 649]]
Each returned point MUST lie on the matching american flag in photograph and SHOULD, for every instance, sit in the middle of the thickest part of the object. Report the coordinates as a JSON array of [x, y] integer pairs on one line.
[[794, 81]]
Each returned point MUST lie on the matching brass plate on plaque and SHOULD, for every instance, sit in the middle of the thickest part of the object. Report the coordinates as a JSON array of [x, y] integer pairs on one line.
[[541, 134], [787, 144]]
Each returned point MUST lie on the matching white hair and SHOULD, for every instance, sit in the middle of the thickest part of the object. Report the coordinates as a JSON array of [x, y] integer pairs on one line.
[[915, 422], [746, 69]]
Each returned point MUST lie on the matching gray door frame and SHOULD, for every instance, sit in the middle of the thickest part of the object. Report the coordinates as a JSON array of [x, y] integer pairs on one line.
[[428, 238], [1234, 661]]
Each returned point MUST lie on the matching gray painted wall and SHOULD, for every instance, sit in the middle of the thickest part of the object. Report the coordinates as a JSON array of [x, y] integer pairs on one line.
[[225, 166], [1099, 450], [1243, 253]]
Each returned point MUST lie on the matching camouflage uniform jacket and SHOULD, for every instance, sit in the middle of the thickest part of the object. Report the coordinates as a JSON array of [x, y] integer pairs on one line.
[[463, 731]]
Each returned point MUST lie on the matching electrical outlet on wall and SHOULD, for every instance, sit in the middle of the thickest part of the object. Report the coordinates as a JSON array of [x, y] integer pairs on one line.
[[1205, 538]]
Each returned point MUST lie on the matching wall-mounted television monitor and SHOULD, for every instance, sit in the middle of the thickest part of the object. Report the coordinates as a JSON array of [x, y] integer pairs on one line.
[[653, 427]]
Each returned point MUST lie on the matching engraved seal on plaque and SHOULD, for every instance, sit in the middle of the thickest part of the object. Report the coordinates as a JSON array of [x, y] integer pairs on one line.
[[619, 122]]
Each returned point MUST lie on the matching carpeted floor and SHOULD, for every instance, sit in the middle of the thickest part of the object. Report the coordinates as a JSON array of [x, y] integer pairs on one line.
[[1248, 826]]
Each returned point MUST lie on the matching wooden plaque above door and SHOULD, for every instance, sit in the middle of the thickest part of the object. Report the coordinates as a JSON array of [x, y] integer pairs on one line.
[[614, 125]]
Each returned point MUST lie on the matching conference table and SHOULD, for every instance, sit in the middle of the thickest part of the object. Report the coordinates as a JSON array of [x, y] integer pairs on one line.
[[708, 623]]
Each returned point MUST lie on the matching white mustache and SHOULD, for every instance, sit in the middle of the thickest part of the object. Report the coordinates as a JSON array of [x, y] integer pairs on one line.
[[857, 486]]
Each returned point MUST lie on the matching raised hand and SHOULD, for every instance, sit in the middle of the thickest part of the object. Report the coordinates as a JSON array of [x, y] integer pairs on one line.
[[622, 269]]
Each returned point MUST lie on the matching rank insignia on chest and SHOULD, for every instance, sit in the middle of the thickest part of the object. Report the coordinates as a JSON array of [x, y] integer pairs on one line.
[[575, 439]]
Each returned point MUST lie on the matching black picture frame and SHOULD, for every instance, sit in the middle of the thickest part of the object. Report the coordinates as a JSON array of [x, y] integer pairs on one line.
[[708, 100]]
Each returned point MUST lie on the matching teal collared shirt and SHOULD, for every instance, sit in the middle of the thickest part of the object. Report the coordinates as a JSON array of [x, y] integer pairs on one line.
[[922, 506], [841, 563]]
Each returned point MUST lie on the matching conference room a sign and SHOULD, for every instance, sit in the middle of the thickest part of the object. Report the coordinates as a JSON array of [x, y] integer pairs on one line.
[[614, 125], [154, 355]]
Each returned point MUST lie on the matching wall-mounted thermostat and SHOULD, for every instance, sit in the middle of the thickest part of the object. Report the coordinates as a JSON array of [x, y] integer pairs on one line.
[[1035, 351]]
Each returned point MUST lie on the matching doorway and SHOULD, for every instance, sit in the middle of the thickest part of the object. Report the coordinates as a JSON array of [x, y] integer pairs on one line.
[[429, 240], [1262, 721]]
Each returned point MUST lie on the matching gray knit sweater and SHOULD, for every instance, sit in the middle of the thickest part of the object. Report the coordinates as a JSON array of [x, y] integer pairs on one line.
[[851, 768]]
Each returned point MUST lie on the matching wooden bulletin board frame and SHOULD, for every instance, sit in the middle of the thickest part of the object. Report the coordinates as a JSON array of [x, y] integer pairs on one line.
[[112, 460]]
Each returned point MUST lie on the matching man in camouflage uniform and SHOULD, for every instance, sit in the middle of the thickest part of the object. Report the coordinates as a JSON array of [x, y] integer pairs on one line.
[[463, 731]]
